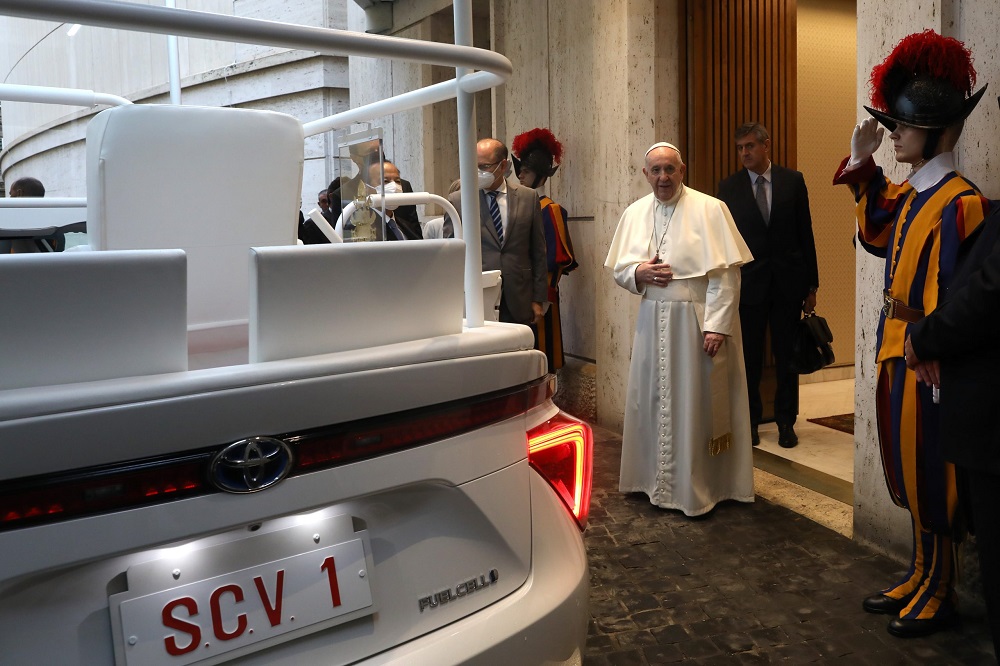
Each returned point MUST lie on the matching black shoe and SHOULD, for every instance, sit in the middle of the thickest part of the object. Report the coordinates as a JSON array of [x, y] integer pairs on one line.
[[754, 436], [881, 604], [786, 436], [913, 628]]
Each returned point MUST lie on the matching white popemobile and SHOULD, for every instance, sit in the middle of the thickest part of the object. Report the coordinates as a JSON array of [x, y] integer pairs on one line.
[[216, 448]]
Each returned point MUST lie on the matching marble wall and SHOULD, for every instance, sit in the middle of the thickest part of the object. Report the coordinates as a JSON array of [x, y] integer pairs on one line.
[[611, 74]]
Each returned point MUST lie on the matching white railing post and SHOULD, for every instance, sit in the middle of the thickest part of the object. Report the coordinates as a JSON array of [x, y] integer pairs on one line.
[[173, 63], [12, 92], [467, 171]]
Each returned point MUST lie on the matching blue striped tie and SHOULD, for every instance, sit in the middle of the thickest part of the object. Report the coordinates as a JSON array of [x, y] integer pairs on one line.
[[495, 214]]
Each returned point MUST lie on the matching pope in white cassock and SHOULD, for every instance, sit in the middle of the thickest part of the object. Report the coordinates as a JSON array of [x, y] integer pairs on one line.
[[686, 441]]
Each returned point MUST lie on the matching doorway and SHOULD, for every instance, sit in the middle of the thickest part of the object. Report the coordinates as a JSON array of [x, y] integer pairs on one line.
[[791, 66]]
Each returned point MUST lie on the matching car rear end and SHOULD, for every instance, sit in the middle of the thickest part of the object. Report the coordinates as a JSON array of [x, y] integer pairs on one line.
[[355, 512]]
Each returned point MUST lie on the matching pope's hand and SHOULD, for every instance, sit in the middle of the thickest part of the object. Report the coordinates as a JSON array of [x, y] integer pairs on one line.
[[713, 342], [653, 272], [866, 140]]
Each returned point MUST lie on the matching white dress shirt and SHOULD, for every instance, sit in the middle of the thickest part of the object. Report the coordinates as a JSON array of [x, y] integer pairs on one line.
[[502, 203]]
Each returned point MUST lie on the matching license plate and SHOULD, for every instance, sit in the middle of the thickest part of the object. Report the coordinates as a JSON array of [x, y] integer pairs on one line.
[[232, 612]]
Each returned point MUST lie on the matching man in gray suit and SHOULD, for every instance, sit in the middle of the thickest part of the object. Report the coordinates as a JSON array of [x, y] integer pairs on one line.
[[513, 238]]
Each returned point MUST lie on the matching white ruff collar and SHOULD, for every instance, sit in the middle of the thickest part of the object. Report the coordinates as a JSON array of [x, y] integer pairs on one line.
[[931, 173]]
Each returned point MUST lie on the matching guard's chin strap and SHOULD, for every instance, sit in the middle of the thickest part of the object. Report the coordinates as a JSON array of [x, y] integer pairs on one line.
[[931, 144]]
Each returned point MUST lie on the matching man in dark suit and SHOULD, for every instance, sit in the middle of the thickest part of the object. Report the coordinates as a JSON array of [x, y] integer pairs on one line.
[[954, 348], [402, 222], [512, 235], [770, 205], [323, 201]]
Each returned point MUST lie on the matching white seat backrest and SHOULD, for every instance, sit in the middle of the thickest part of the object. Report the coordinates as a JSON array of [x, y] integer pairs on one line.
[[492, 283], [319, 299], [84, 316], [212, 181]]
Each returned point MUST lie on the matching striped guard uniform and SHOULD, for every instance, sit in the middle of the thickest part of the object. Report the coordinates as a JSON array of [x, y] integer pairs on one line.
[[918, 231], [559, 251]]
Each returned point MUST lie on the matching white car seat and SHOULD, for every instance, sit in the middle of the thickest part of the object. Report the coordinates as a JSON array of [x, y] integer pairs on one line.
[[210, 181], [85, 316]]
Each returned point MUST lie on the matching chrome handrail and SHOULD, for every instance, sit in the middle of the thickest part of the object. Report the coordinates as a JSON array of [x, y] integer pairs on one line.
[[401, 199]]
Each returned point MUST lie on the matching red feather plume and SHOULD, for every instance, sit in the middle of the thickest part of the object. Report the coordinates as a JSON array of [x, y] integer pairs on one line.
[[923, 54], [541, 135]]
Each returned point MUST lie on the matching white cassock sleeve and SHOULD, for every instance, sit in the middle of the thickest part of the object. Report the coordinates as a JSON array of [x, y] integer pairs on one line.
[[630, 245], [722, 301], [625, 277]]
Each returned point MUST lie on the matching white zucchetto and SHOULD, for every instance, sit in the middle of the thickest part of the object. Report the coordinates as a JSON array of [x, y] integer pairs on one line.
[[663, 144]]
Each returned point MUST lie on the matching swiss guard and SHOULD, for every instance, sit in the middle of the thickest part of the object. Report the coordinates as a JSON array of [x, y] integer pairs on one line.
[[921, 94], [536, 155]]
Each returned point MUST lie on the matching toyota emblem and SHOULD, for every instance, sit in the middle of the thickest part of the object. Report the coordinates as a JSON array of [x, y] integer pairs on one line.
[[250, 465]]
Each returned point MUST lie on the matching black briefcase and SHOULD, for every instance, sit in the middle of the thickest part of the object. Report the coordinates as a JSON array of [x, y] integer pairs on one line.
[[811, 349]]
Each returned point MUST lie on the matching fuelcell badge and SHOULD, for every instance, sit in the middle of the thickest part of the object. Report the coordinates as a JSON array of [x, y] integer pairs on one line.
[[463, 589]]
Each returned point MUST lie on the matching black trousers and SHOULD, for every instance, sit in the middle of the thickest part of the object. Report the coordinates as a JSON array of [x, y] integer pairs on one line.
[[983, 489], [505, 315], [781, 315]]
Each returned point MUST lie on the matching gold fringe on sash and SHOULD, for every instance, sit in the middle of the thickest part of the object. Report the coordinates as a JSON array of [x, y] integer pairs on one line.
[[720, 444]]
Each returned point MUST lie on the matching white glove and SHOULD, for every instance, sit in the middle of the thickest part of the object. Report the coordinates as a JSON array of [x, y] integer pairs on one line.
[[865, 141]]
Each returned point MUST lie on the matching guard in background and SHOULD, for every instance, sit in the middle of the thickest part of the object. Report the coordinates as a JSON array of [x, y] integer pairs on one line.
[[536, 155]]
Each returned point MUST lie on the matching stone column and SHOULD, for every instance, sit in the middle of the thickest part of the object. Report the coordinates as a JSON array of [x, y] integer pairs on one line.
[[636, 105]]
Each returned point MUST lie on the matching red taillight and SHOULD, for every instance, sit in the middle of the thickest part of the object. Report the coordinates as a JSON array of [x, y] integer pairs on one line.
[[47, 499], [86, 494], [562, 451]]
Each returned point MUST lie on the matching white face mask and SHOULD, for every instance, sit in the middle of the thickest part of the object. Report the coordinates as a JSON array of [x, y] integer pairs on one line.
[[392, 187], [486, 179]]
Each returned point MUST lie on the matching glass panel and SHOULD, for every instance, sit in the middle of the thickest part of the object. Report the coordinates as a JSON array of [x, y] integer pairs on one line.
[[359, 171]]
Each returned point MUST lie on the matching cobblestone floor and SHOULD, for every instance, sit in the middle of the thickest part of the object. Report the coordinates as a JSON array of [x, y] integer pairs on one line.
[[748, 584]]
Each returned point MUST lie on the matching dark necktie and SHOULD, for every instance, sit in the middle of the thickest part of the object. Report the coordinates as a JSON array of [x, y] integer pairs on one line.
[[394, 228], [762, 199], [495, 214]]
